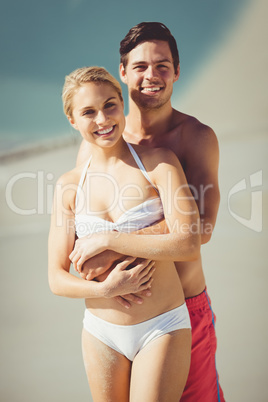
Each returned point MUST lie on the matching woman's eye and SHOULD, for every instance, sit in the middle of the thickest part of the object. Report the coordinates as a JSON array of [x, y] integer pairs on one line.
[[88, 112], [109, 104]]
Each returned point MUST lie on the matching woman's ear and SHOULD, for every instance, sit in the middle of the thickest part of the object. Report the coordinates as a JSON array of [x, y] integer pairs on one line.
[[72, 122]]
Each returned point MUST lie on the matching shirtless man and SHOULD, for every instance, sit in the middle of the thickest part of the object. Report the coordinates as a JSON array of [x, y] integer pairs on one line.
[[149, 66]]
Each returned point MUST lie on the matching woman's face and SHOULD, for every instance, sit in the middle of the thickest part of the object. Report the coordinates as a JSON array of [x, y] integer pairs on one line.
[[98, 113]]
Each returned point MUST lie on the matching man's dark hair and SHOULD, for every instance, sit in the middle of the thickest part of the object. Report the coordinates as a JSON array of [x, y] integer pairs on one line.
[[146, 31]]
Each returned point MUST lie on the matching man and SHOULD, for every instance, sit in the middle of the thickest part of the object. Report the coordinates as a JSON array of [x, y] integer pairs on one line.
[[149, 67]]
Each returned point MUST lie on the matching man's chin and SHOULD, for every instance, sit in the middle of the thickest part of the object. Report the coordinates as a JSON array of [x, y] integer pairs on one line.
[[146, 102]]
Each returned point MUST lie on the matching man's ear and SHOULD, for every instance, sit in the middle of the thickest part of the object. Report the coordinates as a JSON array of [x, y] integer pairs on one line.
[[72, 122], [122, 73], [177, 73]]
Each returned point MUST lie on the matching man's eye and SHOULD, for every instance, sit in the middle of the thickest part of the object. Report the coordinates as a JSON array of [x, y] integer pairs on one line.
[[162, 66], [139, 68]]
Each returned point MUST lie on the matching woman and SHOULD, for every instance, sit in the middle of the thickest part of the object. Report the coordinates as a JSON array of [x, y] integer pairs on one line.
[[143, 353]]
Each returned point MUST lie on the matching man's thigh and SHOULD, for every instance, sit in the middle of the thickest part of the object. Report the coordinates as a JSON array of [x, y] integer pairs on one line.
[[203, 381]]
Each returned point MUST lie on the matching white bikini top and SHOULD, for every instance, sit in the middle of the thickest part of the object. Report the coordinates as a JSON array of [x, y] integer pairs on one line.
[[136, 218]]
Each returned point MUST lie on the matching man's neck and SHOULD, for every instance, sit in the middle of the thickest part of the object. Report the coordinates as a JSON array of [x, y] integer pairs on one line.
[[145, 124]]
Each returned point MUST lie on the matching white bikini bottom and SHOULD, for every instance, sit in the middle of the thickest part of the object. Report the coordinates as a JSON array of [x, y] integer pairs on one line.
[[130, 339]]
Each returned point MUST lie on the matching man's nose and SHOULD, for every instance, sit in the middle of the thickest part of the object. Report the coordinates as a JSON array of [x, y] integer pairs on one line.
[[150, 73]]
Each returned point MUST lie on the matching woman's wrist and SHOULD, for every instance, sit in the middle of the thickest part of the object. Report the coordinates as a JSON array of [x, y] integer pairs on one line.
[[104, 290]]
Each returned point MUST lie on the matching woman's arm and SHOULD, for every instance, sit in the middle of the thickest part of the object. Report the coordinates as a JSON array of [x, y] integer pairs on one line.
[[60, 244], [182, 243]]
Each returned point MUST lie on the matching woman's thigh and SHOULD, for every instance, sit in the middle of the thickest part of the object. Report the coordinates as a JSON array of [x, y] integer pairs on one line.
[[108, 371], [160, 370]]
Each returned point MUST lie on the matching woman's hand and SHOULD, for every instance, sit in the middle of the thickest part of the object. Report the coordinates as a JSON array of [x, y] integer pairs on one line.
[[137, 298], [122, 281], [87, 247]]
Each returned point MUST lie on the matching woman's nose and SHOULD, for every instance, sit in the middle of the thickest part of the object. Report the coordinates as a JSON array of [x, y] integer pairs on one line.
[[101, 117]]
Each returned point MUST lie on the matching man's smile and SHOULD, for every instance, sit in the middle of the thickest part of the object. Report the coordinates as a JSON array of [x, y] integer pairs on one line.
[[151, 90]]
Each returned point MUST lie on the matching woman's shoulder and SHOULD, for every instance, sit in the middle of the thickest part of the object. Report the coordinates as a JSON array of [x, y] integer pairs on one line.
[[71, 177], [66, 188]]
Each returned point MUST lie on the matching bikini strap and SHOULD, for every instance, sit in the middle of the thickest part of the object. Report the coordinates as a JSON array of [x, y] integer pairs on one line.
[[81, 181], [140, 165]]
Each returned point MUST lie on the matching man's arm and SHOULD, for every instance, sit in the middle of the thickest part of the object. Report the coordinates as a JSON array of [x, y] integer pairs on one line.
[[201, 171]]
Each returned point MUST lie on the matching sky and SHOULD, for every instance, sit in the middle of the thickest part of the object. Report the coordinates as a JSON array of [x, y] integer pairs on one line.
[[42, 41]]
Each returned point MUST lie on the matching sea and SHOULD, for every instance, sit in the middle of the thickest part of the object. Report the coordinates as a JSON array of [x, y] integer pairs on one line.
[[44, 41]]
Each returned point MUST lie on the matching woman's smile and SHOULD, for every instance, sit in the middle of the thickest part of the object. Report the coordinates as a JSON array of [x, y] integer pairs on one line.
[[105, 132]]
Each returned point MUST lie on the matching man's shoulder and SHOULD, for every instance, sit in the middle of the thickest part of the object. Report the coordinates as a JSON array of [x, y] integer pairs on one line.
[[192, 130], [190, 124], [153, 156]]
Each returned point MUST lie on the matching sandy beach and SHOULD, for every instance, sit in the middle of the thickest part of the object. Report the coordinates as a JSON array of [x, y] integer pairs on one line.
[[41, 356]]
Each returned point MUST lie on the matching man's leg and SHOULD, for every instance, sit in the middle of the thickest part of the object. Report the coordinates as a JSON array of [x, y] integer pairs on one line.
[[203, 381]]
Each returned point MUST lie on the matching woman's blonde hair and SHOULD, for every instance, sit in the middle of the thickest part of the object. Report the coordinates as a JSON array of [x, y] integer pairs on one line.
[[77, 78]]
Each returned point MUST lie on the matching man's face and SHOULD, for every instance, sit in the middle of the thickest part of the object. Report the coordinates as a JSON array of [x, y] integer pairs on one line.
[[150, 74]]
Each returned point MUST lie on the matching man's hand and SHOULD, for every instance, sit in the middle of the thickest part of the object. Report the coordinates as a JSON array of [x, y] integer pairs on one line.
[[99, 264], [85, 248]]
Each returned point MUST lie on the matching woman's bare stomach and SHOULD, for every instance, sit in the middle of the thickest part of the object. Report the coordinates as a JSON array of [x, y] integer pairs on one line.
[[166, 294]]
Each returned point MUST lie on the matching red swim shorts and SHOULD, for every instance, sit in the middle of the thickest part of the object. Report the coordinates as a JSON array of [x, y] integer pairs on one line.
[[203, 380]]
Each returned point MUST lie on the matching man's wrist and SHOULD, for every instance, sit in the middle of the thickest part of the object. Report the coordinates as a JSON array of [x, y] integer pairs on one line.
[[110, 240]]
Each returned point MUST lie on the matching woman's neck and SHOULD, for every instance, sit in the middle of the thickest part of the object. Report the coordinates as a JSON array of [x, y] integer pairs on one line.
[[107, 156]]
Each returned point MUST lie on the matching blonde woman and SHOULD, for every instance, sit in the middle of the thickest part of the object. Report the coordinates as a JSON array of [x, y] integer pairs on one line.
[[141, 353]]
